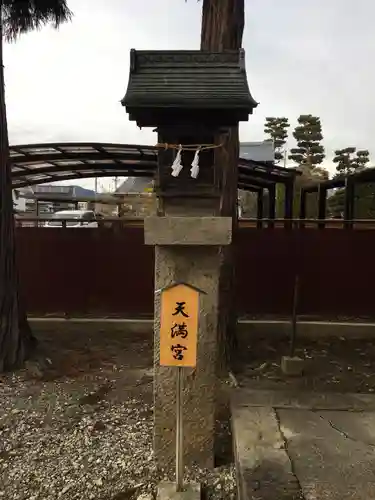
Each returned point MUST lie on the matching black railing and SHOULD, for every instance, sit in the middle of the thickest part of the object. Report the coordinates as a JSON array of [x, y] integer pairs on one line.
[[108, 222], [45, 222]]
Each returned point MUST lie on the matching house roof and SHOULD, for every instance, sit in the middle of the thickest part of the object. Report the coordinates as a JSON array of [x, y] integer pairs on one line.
[[134, 185], [187, 79], [258, 151]]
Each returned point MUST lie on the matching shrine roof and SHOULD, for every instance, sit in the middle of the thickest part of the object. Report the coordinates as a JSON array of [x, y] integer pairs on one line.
[[188, 79]]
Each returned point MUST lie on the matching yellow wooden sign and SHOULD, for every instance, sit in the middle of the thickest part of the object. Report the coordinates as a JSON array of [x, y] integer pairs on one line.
[[179, 326]]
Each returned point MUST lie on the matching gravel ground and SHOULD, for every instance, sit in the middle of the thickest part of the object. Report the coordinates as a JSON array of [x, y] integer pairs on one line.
[[336, 364], [77, 423]]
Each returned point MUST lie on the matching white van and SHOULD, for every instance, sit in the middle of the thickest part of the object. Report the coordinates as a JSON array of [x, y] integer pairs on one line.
[[73, 218]]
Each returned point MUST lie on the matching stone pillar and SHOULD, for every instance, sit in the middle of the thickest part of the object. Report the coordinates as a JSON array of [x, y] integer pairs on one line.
[[187, 250]]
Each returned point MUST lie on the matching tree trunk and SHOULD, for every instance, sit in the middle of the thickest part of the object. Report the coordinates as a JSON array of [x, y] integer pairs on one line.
[[16, 339], [223, 23], [227, 156]]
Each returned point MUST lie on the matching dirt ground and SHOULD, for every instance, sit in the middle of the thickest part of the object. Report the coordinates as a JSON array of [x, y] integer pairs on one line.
[[336, 364], [77, 422]]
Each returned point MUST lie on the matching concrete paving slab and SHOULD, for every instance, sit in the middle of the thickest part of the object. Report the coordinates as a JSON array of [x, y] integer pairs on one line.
[[360, 427], [328, 491], [332, 453]]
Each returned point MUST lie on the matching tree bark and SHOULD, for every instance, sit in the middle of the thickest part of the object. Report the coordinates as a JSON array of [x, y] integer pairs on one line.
[[16, 339], [223, 23]]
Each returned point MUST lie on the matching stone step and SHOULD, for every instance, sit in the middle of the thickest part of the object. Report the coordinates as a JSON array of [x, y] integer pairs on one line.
[[264, 471]]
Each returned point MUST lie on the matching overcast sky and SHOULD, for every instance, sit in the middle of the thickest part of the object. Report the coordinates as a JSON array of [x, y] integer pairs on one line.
[[302, 57]]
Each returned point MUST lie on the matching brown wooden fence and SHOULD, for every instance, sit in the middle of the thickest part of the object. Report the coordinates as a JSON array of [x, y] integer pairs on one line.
[[335, 268], [88, 271], [109, 271]]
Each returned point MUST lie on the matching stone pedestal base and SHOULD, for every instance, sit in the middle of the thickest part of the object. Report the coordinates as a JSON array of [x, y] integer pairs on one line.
[[167, 491], [292, 366]]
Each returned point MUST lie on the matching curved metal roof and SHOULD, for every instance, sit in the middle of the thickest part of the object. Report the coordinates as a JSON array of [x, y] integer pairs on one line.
[[50, 162], [41, 163]]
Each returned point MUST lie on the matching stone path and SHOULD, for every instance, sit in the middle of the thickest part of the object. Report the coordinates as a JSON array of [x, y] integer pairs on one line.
[[312, 447]]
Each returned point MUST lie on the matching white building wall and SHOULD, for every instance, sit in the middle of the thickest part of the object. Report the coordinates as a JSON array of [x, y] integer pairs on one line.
[[257, 151]]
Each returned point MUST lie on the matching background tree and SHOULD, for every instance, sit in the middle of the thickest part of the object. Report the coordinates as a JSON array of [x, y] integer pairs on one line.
[[343, 158], [308, 135], [349, 161], [276, 128], [308, 155], [16, 340], [306, 178], [361, 160], [247, 200], [223, 23]]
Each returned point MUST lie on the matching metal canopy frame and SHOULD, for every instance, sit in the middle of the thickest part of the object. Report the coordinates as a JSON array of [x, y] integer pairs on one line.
[[348, 182], [263, 174], [257, 176], [42, 163], [52, 162]]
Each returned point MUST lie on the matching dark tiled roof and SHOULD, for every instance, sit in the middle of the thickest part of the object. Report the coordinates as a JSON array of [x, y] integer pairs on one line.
[[188, 79], [135, 185]]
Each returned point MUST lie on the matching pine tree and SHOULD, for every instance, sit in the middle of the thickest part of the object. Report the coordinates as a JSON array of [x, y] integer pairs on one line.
[[276, 128], [343, 158], [349, 161], [361, 160], [308, 135]]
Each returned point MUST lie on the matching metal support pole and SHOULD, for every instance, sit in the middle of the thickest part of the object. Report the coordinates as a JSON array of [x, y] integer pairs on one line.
[[272, 205], [294, 316], [179, 434], [260, 208], [349, 203], [302, 208], [288, 203], [322, 202]]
